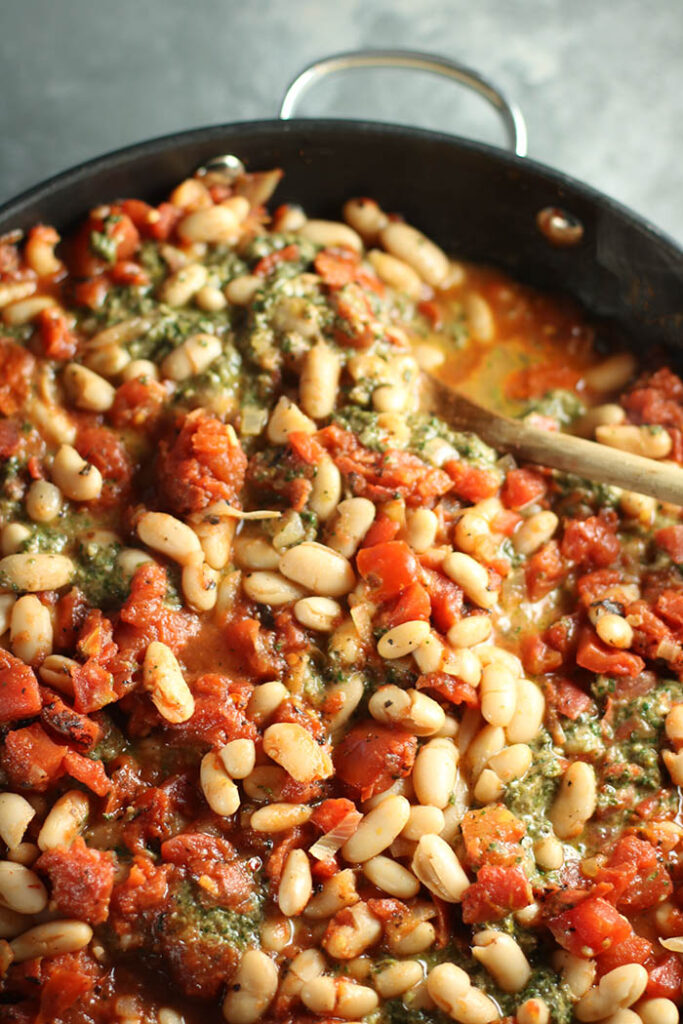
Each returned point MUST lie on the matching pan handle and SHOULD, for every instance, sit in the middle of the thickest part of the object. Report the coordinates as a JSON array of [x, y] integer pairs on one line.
[[510, 114]]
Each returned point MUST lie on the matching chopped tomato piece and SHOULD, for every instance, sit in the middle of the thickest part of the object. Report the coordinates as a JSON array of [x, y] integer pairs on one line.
[[90, 773], [19, 693], [137, 403], [537, 656], [265, 266], [639, 879], [592, 586], [666, 979], [382, 530], [81, 879], [450, 688], [492, 835], [388, 568], [306, 447], [58, 341], [31, 759], [203, 464], [633, 950], [597, 657], [544, 571], [592, 541], [567, 698], [66, 979], [412, 604], [16, 367], [670, 607], [591, 928], [537, 381], [329, 813], [521, 487], [254, 647], [77, 729], [471, 482], [446, 597], [497, 892], [372, 756]]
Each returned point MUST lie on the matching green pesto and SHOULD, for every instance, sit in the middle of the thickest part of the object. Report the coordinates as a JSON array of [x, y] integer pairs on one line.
[[530, 797], [99, 576], [425, 428], [564, 406], [48, 539], [192, 920]]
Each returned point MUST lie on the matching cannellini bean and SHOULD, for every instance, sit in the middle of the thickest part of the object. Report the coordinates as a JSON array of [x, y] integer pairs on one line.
[[434, 772], [265, 699], [252, 989], [533, 1011], [318, 568], [390, 398], [345, 698], [294, 749], [21, 889], [421, 527], [653, 442], [403, 639], [498, 692], [489, 741], [424, 820], [216, 535], [43, 501], [285, 419], [30, 630], [397, 978], [480, 319], [214, 224], [319, 381], [614, 630], [7, 602], [220, 792], [106, 360], [35, 572], [57, 671], [450, 988], [412, 709], [512, 763], [354, 518], [304, 967], [331, 233], [390, 876], [503, 958], [179, 287], [674, 765], [617, 989], [365, 217], [88, 390], [39, 251], [137, 368], [296, 884], [489, 787], [360, 930], [576, 800], [163, 532], [337, 892], [15, 815], [129, 560], [319, 613], [338, 997], [577, 972], [396, 273], [410, 245], [279, 817], [51, 939], [598, 416], [66, 820], [164, 679], [14, 535], [673, 724], [265, 783], [638, 506], [193, 356], [529, 712], [437, 867], [612, 374], [549, 853], [252, 552], [11, 923], [211, 299], [13, 291], [377, 830], [241, 290], [472, 577], [191, 194], [534, 532], [326, 489], [200, 586], [238, 757], [77, 479], [657, 1011], [468, 632]]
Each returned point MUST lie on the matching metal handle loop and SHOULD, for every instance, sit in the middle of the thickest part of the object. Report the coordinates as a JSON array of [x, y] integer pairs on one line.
[[511, 115]]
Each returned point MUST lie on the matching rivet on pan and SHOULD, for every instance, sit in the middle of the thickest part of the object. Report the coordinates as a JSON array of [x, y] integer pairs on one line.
[[561, 228], [226, 167]]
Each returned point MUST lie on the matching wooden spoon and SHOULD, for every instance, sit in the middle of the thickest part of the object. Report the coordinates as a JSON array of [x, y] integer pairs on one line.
[[586, 459]]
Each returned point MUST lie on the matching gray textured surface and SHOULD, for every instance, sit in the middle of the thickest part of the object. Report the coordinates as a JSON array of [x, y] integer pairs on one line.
[[601, 84]]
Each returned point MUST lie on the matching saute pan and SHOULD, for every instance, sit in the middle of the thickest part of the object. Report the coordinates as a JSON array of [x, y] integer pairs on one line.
[[477, 201]]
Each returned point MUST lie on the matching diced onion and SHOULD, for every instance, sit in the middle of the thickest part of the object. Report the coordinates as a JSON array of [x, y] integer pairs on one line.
[[327, 845]]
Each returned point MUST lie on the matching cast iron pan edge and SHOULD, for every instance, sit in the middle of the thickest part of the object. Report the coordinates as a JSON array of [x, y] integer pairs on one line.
[[477, 201]]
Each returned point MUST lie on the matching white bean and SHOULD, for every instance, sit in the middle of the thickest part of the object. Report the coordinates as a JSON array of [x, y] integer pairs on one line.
[[576, 800], [377, 830], [294, 749], [220, 792], [472, 577], [354, 518], [65, 821], [318, 568], [88, 390], [319, 381], [415, 249], [252, 989], [43, 501], [15, 815], [296, 884], [192, 357], [170, 536], [30, 630], [390, 876], [653, 442], [35, 572], [403, 640], [434, 772], [51, 939], [21, 889], [164, 679], [503, 958], [437, 867], [76, 479], [331, 233]]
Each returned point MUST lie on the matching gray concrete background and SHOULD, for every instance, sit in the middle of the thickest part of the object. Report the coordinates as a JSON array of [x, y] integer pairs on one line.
[[601, 83]]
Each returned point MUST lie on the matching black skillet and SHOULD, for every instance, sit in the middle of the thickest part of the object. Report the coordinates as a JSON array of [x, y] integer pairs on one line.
[[475, 200]]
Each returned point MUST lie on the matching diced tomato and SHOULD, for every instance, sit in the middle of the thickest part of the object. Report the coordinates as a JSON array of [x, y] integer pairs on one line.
[[597, 657], [92, 292], [202, 464], [536, 381], [506, 522], [388, 568], [57, 339], [10, 438], [497, 892], [266, 265], [412, 604], [145, 888], [592, 585], [521, 487], [563, 635], [432, 312], [544, 571], [329, 813], [90, 773], [127, 272], [446, 597], [382, 530], [81, 879], [16, 368], [537, 656], [31, 759], [471, 482], [639, 879], [145, 609], [70, 612], [666, 979], [306, 447], [492, 835], [591, 928], [670, 606], [671, 540], [355, 319], [254, 647], [137, 403], [372, 756], [450, 688], [633, 950], [568, 699], [337, 267], [93, 686], [77, 729], [656, 398], [105, 450], [592, 541], [163, 224], [214, 858], [117, 227], [66, 979], [19, 693]]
